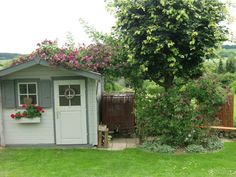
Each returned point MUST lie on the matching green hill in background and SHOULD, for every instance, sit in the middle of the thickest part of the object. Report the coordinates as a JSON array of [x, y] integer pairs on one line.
[[9, 56], [229, 46], [227, 51]]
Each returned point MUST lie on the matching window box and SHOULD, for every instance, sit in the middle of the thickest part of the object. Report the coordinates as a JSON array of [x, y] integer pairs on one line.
[[24, 120]]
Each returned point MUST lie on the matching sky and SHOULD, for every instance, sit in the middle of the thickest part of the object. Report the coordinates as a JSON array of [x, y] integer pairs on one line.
[[24, 23]]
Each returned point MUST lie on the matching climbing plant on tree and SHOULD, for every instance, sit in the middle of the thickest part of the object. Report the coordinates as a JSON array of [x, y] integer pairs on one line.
[[167, 39]]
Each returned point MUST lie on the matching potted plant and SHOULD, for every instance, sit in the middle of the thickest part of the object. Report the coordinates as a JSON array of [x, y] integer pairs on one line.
[[31, 114]]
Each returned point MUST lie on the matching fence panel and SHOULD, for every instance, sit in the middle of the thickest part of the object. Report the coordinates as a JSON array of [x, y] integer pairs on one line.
[[226, 113], [117, 112]]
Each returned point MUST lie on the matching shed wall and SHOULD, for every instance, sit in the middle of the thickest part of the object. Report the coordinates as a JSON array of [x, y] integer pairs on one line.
[[92, 110], [41, 133], [2, 141]]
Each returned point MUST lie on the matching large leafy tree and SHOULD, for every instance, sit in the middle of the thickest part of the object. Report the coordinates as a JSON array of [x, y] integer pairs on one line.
[[167, 39]]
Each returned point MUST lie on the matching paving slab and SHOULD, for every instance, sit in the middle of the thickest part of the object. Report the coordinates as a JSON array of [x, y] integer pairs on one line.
[[123, 143]]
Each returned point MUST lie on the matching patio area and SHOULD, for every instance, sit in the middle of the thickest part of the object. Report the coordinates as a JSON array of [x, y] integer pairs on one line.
[[123, 143]]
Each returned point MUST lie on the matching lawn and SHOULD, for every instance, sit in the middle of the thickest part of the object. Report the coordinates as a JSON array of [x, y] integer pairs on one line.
[[235, 110], [132, 162]]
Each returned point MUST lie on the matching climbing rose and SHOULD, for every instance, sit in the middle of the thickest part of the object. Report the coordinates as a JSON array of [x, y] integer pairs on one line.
[[94, 57]]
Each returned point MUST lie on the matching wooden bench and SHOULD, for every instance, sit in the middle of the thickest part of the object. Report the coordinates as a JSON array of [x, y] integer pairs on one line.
[[219, 127]]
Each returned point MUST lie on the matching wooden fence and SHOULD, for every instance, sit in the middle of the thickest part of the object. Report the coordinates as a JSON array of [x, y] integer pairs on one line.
[[226, 113], [117, 112]]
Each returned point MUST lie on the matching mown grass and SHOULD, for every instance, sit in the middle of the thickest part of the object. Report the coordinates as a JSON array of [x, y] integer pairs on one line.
[[234, 110], [130, 163]]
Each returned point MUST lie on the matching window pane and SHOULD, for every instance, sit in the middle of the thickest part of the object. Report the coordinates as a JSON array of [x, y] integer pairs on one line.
[[75, 101], [32, 88], [76, 88], [34, 99], [63, 101], [23, 88], [22, 99], [62, 89]]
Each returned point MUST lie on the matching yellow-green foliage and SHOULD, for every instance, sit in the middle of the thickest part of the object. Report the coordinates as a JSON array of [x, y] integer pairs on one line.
[[167, 39]]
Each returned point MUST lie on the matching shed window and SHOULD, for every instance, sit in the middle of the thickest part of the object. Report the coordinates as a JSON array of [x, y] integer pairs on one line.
[[69, 95], [27, 93]]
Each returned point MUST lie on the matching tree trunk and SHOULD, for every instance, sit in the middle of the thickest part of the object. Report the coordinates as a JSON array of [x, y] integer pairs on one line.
[[168, 81]]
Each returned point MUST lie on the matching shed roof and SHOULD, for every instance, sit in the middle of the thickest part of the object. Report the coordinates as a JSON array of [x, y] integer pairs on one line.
[[38, 61]]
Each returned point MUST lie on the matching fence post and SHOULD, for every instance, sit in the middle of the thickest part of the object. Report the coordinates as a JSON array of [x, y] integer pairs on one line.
[[226, 113]]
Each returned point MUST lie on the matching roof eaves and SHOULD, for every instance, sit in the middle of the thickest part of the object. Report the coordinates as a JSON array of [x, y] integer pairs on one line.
[[35, 61], [16, 68]]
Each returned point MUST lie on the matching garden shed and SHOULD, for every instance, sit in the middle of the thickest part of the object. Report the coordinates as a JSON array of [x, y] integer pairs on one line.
[[70, 98]]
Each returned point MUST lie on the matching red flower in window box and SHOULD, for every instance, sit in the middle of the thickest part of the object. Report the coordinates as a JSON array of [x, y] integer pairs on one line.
[[12, 116], [31, 111], [39, 108], [24, 106]]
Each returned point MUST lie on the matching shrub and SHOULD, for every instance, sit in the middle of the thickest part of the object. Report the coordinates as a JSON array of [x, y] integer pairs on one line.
[[155, 146], [160, 115], [233, 87], [220, 68], [145, 99], [209, 96], [214, 143], [112, 87], [230, 66], [195, 148], [177, 114], [227, 78]]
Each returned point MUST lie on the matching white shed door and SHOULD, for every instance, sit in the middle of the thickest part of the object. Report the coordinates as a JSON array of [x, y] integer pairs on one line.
[[70, 112]]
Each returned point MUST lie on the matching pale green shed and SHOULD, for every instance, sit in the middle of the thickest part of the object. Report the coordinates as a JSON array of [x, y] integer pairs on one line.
[[70, 98]]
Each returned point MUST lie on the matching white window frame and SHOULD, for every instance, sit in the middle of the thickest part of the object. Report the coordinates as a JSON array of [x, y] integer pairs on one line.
[[27, 91]]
